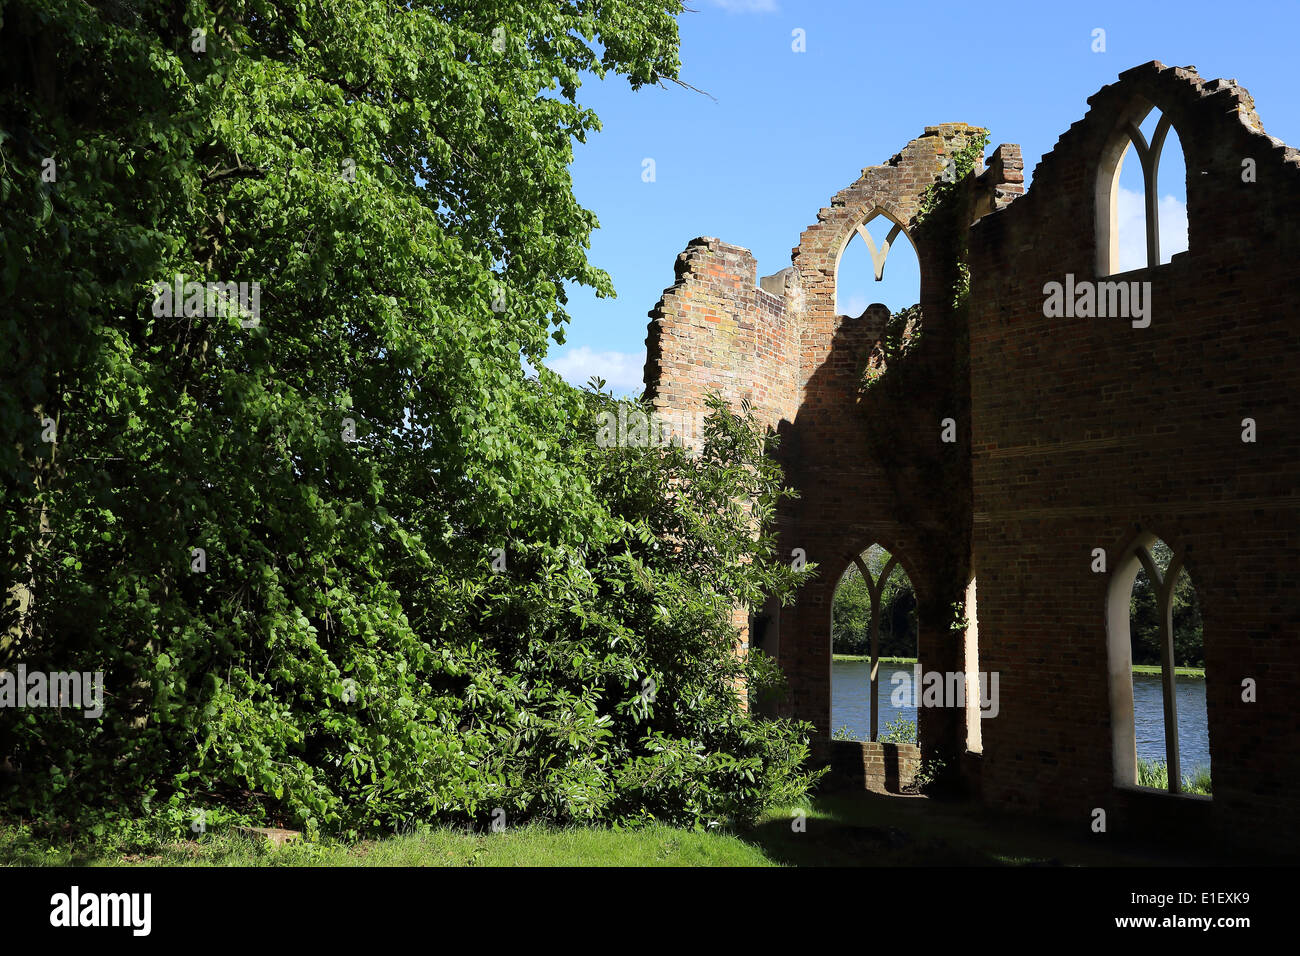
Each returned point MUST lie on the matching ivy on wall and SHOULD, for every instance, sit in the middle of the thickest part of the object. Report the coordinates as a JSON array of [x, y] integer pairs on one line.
[[912, 381], [943, 218]]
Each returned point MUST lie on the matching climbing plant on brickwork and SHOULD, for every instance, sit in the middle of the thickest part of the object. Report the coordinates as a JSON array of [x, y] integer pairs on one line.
[[901, 334], [943, 216], [913, 383], [940, 219]]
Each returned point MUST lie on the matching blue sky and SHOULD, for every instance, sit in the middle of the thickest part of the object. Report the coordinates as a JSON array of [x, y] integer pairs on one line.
[[788, 129]]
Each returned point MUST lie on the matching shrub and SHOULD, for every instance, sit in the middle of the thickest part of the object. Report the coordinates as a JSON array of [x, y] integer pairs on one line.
[[899, 731]]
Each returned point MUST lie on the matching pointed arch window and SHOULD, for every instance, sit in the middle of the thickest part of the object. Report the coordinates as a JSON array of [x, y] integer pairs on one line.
[[873, 610], [897, 288], [1150, 598], [1162, 231]]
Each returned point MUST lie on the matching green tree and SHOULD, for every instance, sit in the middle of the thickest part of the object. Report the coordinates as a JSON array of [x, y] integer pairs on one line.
[[851, 610], [1189, 644], [281, 539], [851, 614]]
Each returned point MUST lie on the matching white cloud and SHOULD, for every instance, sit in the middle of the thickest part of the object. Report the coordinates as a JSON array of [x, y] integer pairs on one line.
[[1132, 228], [622, 371], [1131, 222], [746, 6], [1173, 227]]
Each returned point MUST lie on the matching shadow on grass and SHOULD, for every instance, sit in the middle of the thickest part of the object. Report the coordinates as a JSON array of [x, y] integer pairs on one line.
[[859, 830], [875, 829]]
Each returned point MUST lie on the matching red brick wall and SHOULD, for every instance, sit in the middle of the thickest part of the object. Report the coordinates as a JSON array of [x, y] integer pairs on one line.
[[1080, 433], [868, 765], [800, 363], [1087, 430], [715, 330]]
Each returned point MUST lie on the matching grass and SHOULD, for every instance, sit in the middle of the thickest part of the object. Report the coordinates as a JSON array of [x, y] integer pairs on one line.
[[1178, 671], [836, 829], [867, 829], [897, 731], [867, 657], [525, 846], [1155, 773]]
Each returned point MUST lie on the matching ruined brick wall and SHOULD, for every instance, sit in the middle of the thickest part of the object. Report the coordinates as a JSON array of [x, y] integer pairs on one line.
[[1078, 433], [715, 330], [849, 497], [800, 364], [1088, 430], [866, 765]]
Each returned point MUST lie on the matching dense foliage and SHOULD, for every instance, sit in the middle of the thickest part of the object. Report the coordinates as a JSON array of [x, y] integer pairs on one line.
[[1144, 617], [345, 566], [851, 610]]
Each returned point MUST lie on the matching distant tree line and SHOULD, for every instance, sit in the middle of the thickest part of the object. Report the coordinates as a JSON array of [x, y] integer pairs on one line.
[[851, 611], [1144, 617]]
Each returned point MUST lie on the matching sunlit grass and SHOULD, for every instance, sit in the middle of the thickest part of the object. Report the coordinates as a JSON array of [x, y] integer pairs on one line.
[[1198, 672], [525, 846], [1155, 774]]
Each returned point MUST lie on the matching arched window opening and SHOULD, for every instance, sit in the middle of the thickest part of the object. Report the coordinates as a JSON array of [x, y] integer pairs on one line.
[[1131, 214], [874, 651], [1142, 197], [1156, 649], [877, 265]]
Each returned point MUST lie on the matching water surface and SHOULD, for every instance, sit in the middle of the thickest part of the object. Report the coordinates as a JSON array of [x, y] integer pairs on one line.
[[851, 706]]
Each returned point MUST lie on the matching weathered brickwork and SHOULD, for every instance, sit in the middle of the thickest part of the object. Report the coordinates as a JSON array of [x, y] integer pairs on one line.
[[717, 331], [1087, 431], [865, 765], [1072, 434], [707, 334]]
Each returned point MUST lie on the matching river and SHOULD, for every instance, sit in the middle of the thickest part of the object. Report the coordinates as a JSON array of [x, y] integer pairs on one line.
[[850, 706]]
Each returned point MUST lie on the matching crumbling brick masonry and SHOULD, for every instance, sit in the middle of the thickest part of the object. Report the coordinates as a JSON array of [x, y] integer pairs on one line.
[[1070, 432]]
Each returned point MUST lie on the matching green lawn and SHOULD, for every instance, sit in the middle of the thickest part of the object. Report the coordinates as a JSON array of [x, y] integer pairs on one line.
[[865, 829], [526, 846], [1179, 671], [844, 829]]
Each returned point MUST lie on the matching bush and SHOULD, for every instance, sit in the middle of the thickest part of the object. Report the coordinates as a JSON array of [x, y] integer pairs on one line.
[[899, 731], [592, 684]]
